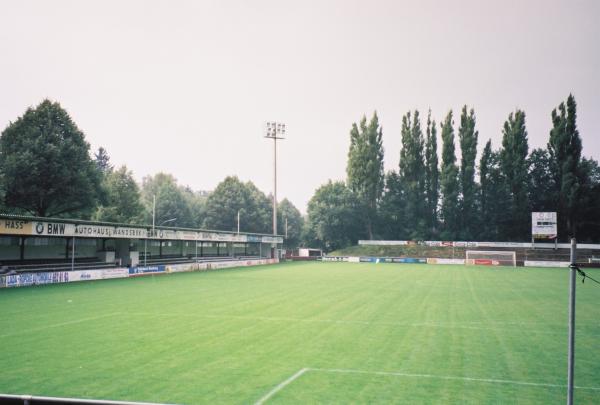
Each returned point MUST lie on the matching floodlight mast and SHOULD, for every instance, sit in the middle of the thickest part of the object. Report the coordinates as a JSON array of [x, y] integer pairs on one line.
[[275, 131]]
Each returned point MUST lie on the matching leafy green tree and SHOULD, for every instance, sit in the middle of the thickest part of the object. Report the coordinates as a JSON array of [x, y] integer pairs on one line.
[[287, 211], [171, 205], [392, 222], [542, 189], [432, 176], [493, 196], [260, 209], [196, 201], [102, 160], [514, 164], [334, 217], [589, 202], [565, 151], [449, 182], [231, 196], [365, 167], [46, 166], [123, 198], [412, 175], [467, 136]]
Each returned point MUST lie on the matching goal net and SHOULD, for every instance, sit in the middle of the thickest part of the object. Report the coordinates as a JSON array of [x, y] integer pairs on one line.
[[491, 257]]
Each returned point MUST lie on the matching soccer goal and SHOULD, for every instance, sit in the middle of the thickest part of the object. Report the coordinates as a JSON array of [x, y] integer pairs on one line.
[[491, 257]]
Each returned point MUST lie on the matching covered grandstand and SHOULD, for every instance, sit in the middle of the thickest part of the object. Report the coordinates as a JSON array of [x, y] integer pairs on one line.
[[33, 244]]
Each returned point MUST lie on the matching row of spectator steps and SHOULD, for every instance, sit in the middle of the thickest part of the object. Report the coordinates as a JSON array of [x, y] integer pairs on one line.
[[174, 259], [91, 263], [39, 265]]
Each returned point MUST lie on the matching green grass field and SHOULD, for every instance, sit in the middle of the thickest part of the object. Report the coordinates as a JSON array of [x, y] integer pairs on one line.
[[305, 333]]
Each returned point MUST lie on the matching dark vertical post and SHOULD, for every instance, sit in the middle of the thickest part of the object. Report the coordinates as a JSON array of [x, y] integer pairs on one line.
[[571, 366], [201, 248], [22, 247], [73, 256]]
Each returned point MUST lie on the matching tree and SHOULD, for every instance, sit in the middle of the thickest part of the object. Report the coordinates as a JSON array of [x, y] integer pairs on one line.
[[295, 223], [392, 222], [231, 196], [123, 198], [493, 196], [102, 160], [565, 152], [412, 175], [468, 147], [542, 194], [449, 181], [45, 164], [514, 164], [334, 217], [432, 174], [259, 210], [589, 214], [196, 202], [171, 205], [365, 167]]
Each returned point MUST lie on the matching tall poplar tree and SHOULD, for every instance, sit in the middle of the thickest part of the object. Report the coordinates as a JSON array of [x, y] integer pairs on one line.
[[365, 167], [565, 151], [449, 181], [412, 174], [432, 175], [467, 136], [493, 196], [514, 164], [541, 187]]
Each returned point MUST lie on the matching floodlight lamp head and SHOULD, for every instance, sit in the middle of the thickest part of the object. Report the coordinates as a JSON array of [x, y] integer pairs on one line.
[[275, 129]]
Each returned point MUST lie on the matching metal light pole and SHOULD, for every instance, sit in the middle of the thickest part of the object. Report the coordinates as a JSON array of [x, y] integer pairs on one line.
[[571, 359], [153, 210], [275, 131], [238, 221]]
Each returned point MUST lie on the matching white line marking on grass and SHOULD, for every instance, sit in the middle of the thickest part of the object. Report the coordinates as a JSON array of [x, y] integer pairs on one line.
[[344, 322], [448, 377], [58, 325], [281, 386]]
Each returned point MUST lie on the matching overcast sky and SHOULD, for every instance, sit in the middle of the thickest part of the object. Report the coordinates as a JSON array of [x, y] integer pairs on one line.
[[185, 87]]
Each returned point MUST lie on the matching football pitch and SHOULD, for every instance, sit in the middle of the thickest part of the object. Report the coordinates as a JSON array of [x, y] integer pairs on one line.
[[305, 333]]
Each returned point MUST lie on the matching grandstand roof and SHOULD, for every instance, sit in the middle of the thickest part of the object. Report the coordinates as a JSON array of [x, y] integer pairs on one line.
[[41, 226]]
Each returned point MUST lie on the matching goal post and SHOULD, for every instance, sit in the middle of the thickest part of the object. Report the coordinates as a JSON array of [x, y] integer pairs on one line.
[[491, 257]]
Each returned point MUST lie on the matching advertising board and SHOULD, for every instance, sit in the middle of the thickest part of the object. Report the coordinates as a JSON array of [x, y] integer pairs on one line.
[[409, 260], [84, 275], [545, 263], [543, 225], [141, 271], [121, 272], [432, 260], [65, 229], [27, 279]]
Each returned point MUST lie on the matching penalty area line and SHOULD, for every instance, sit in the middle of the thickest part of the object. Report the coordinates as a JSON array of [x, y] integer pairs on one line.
[[279, 387], [58, 325], [449, 377], [302, 371]]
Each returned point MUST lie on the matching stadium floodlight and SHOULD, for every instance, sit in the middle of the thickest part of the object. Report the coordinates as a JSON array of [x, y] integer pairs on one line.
[[275, 131]]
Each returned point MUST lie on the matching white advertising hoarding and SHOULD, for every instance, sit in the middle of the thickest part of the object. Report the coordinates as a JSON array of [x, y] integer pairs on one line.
[[543, 225]]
